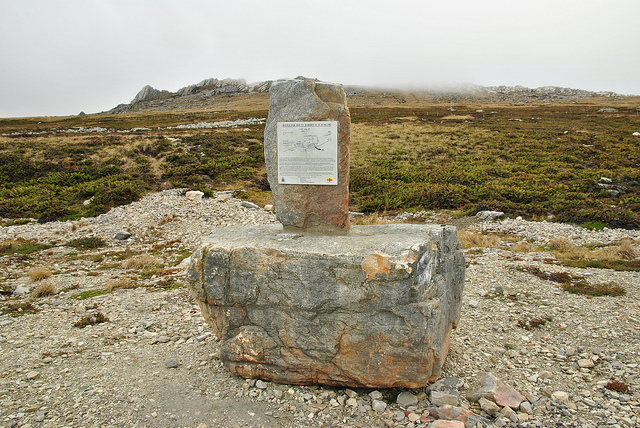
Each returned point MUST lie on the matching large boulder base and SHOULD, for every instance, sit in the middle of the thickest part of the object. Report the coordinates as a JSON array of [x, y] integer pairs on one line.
[[372, 309]]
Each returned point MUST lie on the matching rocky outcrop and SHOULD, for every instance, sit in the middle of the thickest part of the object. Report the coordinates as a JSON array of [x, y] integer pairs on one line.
[[147, 93], [191, 96], [150, 98], [372, 309]]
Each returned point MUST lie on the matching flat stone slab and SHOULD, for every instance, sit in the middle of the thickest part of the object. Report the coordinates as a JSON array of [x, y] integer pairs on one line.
[[371, 309]]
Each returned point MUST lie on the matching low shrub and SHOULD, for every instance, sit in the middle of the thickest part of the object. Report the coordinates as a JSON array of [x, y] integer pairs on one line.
[[577, 284], [89, 243], [21, 246], [15, 309], [91, 319]]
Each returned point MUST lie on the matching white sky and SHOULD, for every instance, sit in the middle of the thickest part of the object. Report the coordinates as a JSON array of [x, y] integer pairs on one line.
[[65, 56]]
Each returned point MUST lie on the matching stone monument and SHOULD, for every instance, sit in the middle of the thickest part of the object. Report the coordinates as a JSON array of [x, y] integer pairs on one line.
[[314, 301], [306, 148]]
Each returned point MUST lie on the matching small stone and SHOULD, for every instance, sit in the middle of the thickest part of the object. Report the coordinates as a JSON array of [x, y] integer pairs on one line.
[[589, 402], [375, 395], [260, 384], [627, 421], [526, 407], [21, 290], [351, 393], [122, 235], [413, 417], [33, 375], [473, 303], [446, 424], [489, 215], [406, 399], [194, 195], [450, 384], [490, 387], [352, 402], [439, 398], [400, 416], [585, 363], [560, 396], [268, 207], [249, 205], [378, 406], [545, 374], [509, 413], [171, 363], [488, 406]]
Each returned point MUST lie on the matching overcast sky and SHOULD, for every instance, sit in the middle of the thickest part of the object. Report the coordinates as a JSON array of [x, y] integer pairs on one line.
[[66, 56]]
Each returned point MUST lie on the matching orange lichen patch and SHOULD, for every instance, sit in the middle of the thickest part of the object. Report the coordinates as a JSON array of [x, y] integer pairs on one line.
[[376, 263], [408, 257]]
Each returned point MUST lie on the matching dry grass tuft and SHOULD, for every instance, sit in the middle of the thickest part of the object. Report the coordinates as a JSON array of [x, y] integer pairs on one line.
[[39, 273], [625, 250], [562, 244], [44, 289], [122, 283], [470, 239], [524, 247], [140, 262], [371, 219]]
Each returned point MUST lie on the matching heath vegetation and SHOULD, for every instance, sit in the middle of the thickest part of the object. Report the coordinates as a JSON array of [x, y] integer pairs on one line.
[[566, 161]]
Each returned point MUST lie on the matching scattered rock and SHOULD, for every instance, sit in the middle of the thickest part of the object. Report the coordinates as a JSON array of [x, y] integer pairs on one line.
[[406, 399], [250, 205], [32, 375], [488, 406], [490, 387], [446, 424], [375, 395], [439, 398], [21, 290], [122, 235], [378, 405], [560, 396], [585, 363], [194, 195], [171, 363], [103, 366], [489, 215]]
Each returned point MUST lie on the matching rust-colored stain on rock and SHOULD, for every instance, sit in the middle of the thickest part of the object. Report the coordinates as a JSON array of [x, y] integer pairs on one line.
[[376, 263]]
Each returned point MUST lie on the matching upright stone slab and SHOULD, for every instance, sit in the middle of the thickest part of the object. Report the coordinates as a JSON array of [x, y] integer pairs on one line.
[[371, 309], [306, 147]]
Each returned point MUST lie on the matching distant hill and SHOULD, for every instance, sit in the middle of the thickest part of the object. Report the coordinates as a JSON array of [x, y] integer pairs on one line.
[[201, 95]]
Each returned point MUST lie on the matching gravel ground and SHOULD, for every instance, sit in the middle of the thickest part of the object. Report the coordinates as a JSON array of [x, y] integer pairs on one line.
[[155, 362]]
